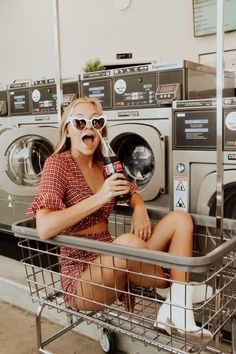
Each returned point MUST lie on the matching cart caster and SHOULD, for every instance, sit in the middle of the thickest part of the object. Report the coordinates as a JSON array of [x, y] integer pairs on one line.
[[42, 351], [107, 341]]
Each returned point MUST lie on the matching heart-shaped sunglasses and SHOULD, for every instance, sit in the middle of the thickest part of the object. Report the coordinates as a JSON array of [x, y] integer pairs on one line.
[[97, 123]]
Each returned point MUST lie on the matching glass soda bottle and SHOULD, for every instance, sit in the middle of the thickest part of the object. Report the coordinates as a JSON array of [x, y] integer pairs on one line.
[[113, 165]]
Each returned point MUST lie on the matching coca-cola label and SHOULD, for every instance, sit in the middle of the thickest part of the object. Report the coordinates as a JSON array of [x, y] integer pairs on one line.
[[109, 169], [112, 168], [118, 166]]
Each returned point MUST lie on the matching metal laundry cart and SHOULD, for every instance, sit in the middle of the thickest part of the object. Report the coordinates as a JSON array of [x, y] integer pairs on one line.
[[212, 267]]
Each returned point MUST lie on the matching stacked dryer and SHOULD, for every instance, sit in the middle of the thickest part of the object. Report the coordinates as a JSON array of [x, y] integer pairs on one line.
[[138, 130], [29, 134], [25, 146], [138, 104], [194, 163], [194, 156]]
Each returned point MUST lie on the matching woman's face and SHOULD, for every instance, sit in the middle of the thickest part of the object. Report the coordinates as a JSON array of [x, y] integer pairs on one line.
[[84, 142]]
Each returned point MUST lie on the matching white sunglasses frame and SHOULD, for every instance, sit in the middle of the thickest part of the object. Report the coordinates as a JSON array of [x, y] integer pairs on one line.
[[71, 118]]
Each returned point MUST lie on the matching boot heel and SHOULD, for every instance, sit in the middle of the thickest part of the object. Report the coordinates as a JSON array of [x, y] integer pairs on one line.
[[162, 317], [200, 336]]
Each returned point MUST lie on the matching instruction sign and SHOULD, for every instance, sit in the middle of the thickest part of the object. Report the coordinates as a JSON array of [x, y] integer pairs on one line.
[[205, 16], [180, 193]]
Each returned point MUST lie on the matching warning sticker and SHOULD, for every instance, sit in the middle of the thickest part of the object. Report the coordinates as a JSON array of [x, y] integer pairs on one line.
[[180, 186], [180, 203], [180, 193]]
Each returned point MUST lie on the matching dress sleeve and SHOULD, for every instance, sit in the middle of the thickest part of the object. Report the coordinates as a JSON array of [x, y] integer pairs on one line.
[[132, 187], [52, 187]]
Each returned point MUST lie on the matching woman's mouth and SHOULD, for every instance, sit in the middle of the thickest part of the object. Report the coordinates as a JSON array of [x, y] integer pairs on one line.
[[88, 139]]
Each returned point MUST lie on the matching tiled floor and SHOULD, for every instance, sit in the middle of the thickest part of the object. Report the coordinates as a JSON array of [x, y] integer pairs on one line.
[[17, 335]]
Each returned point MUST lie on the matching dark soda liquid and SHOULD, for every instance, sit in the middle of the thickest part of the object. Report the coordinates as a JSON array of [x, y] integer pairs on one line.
[[112, 165]]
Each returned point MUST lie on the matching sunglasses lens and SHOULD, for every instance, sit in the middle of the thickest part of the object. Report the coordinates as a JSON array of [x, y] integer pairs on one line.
[[79, 124], [98, 123]]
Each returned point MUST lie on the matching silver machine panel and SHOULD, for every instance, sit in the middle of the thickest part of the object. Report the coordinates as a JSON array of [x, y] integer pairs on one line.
[[137, 101], [27, 140], [153, 85], [141, 140], [195, 168], [22, 156], [194, 156]]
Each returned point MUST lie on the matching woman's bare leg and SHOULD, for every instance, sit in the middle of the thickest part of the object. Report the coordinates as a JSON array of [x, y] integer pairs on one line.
[[172, 234], [103, 279], [175, 234]]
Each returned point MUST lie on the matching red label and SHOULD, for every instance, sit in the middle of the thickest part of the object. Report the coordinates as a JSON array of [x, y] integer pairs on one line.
[[118, 166], [112, 168]]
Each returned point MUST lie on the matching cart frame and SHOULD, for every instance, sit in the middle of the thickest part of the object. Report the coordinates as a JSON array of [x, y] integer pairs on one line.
[[216, 268]]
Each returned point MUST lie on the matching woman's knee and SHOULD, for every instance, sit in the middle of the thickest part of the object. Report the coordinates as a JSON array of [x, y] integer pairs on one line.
[[182, 220], [130, 240]]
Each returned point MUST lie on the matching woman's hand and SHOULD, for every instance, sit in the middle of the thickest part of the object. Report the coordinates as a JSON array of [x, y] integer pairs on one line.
[[113, 186], [140, 224]]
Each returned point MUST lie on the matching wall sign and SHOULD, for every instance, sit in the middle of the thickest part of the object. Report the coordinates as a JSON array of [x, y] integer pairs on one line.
[[124, 56], [204, 16]]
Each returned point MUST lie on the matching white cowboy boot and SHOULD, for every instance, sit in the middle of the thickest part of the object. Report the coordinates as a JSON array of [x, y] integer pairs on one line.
[[201, 292], [177, 312]]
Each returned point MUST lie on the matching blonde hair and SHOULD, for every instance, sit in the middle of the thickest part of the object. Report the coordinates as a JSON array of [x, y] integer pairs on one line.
[[64, 142]]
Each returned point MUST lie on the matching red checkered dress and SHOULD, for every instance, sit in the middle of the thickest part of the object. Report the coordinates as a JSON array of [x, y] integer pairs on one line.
[[63, 185]]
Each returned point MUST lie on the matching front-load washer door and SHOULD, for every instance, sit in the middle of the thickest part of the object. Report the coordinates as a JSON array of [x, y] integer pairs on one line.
[[206, 203], [141, 149], [22, 156]]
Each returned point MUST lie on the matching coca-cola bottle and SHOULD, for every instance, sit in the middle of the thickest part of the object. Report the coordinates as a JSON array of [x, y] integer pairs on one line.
[[113, 165]]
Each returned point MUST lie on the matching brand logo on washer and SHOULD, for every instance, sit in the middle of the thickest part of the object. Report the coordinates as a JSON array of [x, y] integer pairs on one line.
[[231, 156], [120, 86], [180, 167]]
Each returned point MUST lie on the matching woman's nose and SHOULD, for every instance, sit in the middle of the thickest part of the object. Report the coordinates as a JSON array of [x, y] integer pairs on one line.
[[89, 124]]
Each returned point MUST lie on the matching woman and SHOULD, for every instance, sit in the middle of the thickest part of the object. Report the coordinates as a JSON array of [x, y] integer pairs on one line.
[[75, 198]]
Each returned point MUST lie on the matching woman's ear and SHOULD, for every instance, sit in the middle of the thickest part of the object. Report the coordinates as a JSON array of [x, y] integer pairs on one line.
[[67, 133]]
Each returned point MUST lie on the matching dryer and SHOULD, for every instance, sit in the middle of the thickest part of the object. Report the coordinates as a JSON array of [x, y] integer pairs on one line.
[[194, 164], [22, 156], [33, 121], [194, 156], [141, 139]]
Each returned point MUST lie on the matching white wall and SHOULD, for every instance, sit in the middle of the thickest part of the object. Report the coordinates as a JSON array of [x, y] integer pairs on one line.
[[150, 29]]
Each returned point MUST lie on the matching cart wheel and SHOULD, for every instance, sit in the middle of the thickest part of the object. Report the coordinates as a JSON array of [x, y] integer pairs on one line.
[[42, 351], [107, 341]]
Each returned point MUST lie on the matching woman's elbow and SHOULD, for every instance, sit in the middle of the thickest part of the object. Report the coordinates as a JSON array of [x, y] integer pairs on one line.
[[43, 232], [43, 228]]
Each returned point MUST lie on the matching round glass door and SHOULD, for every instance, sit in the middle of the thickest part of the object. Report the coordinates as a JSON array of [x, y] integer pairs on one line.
[[141, 149], [25, 159], [229, 209], [137, 158], [229, 202]]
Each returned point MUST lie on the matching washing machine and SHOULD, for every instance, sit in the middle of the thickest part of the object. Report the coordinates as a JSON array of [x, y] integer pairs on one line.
[[141, 139], [32, 136], [194, 139], [194, 156]]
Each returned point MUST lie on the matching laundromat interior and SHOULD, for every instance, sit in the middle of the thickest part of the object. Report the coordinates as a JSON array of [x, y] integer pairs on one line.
[[164, 72]]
